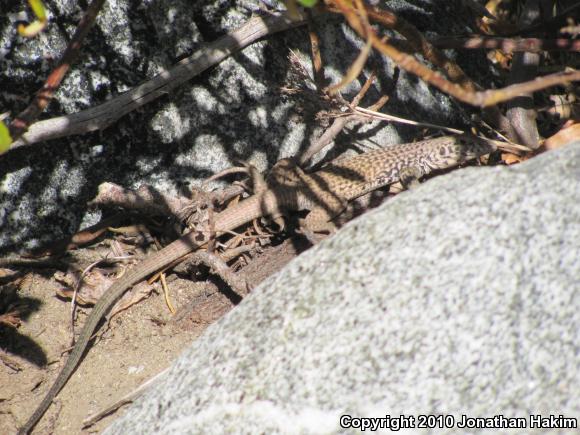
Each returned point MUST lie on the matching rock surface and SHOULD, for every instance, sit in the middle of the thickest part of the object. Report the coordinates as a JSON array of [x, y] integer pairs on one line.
[[235, 111], [461, 297]]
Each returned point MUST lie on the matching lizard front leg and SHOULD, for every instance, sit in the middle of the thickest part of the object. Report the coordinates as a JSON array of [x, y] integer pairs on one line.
[[409, 177]]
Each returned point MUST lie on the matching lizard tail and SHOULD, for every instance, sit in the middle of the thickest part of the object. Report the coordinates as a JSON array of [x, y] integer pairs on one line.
[[78, 351], [150, 265]]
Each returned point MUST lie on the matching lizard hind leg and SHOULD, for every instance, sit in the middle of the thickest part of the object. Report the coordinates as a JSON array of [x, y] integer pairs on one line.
[[318, 221], [258, 182], [285, 173]]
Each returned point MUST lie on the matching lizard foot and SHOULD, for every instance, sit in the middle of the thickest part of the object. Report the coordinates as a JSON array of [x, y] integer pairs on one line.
[[409, 177]]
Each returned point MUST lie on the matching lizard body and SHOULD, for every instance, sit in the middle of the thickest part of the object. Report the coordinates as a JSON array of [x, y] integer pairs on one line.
[[288, 188]]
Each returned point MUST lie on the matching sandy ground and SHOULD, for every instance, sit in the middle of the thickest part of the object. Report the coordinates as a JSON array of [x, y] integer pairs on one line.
[[137, 344]]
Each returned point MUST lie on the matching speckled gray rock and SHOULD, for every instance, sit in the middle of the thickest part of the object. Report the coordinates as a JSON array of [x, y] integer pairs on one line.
[[461, 297], [235, 111]]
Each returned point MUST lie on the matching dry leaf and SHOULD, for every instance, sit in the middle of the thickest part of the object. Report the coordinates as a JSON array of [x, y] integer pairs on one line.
[[512, 159], [563, 137]]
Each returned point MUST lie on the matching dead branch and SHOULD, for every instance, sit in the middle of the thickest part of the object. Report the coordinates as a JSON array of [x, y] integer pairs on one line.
[[103, 115], [129, 398], [145, 199], [411, 64], [220, 268], [421, 45], [520, 110]]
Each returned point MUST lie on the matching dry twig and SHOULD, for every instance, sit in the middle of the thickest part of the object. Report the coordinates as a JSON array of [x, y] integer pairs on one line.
[[220, 268], [409, 63]]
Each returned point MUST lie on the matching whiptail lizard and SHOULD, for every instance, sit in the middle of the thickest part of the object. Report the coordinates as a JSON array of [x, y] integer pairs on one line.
[[325, 193]]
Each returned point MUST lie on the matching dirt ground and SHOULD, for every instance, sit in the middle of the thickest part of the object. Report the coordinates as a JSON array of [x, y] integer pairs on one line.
[[137, 344]]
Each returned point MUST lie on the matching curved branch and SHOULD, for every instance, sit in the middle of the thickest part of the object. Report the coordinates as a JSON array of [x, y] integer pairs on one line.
[[102, 116]]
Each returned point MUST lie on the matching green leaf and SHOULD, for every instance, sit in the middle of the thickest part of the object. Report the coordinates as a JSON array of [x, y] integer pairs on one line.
[[38, 9], [5, 138], [308, 3], [34, 28]]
